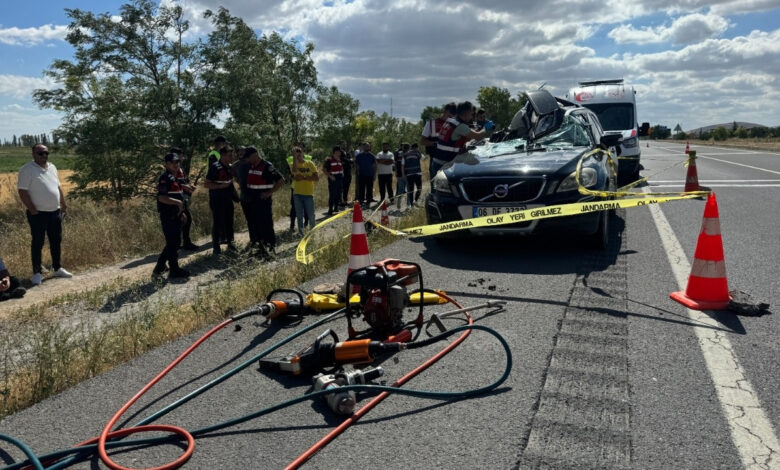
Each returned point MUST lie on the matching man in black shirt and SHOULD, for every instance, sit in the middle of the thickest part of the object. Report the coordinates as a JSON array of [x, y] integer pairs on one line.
[[170, 205], [219, 182], [261, 182], [348, 162]]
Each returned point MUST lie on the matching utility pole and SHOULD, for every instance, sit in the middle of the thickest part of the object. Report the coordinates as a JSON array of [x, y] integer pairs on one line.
[[391, 107]]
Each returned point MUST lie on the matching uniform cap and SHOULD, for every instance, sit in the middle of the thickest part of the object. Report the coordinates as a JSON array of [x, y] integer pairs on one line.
[[220, 138], [172, 157]]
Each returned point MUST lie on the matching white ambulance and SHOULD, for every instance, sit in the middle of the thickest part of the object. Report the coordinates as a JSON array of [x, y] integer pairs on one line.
[[614, 103]]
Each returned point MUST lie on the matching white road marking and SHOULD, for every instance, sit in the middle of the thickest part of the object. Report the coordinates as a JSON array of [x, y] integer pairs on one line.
[[751, 431], [741, 151], [718, 185], [673, 152], [718, 181]]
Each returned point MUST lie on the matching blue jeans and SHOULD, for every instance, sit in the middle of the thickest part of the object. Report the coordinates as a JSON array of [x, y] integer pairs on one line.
[[400, 189], [304, 204]]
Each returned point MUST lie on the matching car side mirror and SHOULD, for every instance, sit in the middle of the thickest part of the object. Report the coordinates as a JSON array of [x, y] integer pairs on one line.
[[611, 140]]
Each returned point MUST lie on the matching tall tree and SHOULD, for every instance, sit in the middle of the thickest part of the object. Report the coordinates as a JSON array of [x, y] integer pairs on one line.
[[333, 117], [267, 84], [499, 105], [133, 89]]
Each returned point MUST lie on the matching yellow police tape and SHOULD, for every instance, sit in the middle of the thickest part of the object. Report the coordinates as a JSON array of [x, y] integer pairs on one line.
[[527, 215]]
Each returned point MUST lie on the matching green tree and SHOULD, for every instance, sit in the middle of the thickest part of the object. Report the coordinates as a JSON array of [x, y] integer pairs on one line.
[[720, 133], [430, 112], [499, 105], [334, 116], [267, 84], [133, 88]]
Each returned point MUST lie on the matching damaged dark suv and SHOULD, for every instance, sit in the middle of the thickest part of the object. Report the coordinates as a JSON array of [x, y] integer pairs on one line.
[[530, 164]]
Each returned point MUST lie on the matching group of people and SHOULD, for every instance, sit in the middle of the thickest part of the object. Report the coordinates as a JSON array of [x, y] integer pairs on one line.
[[443, 138], [257, 180]]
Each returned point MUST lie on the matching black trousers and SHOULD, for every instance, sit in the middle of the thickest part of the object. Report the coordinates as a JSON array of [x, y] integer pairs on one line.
[[414, 183], [365, 189], [335, 190], [45, 224], [222, 221], [385, 186], [293, 218], [345, 187], [264, 220], [171, 227], [185, 228], [246, 208]]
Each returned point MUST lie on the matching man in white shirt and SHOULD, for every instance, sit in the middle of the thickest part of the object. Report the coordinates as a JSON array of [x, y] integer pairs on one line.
[[42, 196], [384, 172]]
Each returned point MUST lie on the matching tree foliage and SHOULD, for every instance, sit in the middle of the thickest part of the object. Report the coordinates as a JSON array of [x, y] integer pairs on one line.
[[133, 88], [499, 105]]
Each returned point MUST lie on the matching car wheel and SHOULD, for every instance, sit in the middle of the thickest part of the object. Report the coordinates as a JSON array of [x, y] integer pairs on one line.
[[600, 239]]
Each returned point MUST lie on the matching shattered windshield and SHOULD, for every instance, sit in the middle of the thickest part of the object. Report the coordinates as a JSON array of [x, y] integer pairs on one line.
[[572, 133]]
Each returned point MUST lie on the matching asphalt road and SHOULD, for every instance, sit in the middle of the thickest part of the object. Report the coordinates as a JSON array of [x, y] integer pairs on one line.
[[608, 371]]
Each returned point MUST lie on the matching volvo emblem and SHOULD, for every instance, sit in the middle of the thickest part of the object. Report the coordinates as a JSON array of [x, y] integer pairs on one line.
[[501, 191]]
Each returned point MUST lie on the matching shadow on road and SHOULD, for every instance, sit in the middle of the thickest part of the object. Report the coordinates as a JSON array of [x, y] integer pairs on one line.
[[537, 254]]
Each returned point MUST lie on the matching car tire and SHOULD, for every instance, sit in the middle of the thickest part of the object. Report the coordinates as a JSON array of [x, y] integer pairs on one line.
[[600, 239]]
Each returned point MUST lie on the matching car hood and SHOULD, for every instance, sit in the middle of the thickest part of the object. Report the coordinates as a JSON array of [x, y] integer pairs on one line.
[[492, 160]]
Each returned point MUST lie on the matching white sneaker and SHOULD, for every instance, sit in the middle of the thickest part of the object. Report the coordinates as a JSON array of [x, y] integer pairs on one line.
[[62, 273], [36, 279]]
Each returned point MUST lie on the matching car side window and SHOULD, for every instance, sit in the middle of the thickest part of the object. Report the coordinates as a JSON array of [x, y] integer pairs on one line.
[[598, 130]]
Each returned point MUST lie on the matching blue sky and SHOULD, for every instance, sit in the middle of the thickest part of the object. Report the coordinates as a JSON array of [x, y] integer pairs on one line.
[[692, 62]]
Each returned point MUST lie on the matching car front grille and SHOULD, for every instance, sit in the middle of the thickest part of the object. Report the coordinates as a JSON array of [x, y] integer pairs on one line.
[[489, 190]]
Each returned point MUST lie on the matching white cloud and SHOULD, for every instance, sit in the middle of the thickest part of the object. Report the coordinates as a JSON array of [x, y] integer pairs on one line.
[[687, 29], [18, 86], [421, 52], [32, 36]]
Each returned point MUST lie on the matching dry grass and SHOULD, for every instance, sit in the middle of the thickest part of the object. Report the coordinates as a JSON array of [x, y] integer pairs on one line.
[[96, 234]]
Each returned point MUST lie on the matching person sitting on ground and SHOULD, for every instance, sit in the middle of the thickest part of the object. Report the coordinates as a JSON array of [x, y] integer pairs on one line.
[[10, 288]]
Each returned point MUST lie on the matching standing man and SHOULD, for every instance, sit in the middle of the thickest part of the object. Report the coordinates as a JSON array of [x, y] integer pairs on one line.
[[348, 162], [290, 160], [219, 182], [365, 164], [170, 205], [400, 185], [430, 133], [219, 142], [42, 196], [262, 181], [453, 136], [483, 122], [240, 171], [412, 169], [10, 288], [333, 168], [187, 190], [304, 175], [384, 171]]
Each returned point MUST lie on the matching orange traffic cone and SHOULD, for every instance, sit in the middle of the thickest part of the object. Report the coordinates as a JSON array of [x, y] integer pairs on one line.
[[385, 219], [692, 178], [687, 148], [358, 244], [707, 285]]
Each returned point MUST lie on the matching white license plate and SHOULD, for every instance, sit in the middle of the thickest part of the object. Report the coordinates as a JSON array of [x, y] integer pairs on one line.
[[481, 211]]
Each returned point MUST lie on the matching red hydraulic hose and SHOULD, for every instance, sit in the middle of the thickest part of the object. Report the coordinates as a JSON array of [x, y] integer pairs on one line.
[[108, 434], [377, 399]]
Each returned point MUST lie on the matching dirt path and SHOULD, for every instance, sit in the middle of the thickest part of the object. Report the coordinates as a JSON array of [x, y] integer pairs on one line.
[[129, 271]]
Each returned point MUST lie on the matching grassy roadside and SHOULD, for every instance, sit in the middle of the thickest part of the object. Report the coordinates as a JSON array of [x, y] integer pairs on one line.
[[768, 144], [40, 355]]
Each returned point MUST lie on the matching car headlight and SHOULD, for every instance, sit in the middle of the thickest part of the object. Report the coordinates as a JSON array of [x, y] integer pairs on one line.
[[632, 142], [588, 178], [441, 183]]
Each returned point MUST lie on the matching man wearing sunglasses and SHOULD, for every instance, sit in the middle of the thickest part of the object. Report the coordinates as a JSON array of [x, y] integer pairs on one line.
[[42, 196]]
